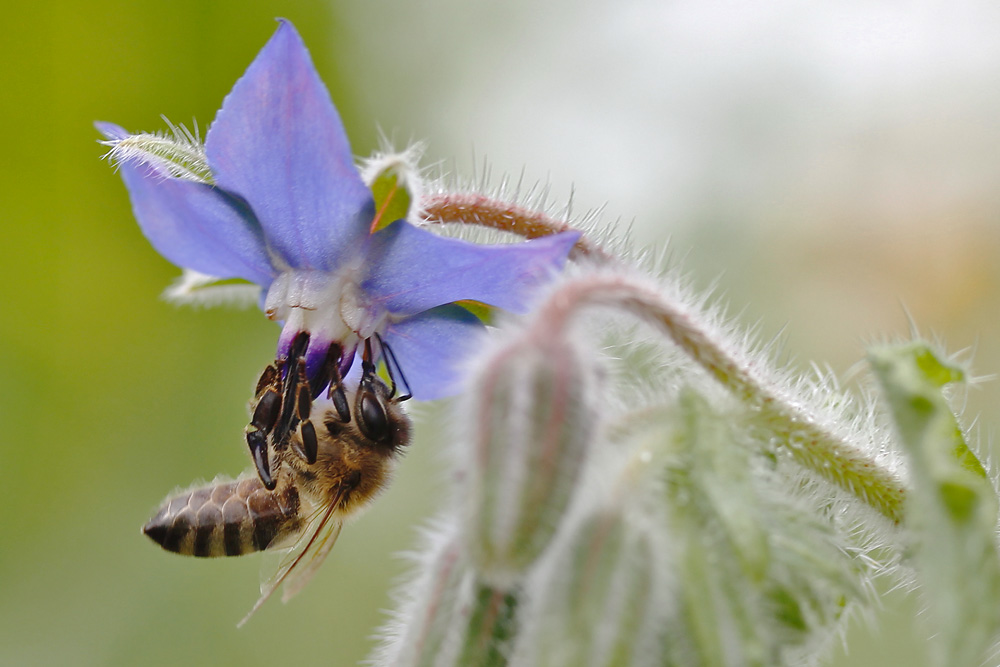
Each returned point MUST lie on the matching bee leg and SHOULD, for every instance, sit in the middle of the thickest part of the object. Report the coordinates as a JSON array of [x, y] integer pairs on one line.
[[259, 451], [265, 415]]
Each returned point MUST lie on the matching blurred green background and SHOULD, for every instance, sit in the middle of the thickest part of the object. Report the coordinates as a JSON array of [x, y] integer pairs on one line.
[[837, 170]]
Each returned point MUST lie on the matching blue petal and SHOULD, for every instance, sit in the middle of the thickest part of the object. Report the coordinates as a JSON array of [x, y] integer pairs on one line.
[[279, 144], [432, 348], [411, 270], [110, 130], [197, 226]]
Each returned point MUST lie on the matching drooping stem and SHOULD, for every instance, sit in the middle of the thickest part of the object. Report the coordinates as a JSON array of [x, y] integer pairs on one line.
[[475, 209], [816, 445]]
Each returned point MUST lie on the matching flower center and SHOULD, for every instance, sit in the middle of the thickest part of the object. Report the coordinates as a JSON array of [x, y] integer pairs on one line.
[[330, 306], [326, 316]]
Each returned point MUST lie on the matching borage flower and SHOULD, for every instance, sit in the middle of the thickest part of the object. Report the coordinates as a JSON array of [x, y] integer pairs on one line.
[[284, 207]]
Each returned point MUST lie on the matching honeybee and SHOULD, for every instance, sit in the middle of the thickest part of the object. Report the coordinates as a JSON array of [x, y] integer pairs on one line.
[[328, 462]]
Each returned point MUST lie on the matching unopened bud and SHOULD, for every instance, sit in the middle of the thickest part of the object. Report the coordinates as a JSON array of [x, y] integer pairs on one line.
[[533, 419], [449, 618], [425, 629], [596, 599]]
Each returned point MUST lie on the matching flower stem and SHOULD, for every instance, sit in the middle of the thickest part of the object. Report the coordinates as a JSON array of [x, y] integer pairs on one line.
[[476, 209], [815, 445]]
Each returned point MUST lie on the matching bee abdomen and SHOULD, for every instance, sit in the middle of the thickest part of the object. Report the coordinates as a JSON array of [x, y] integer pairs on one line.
[[225, 519]]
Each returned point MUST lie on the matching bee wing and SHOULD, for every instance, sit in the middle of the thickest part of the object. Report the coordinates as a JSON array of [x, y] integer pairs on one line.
[[305, 555], [304, 566]]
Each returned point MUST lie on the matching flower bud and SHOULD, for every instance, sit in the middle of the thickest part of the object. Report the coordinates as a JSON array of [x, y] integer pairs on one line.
[[533, 419], [597, 599], [447, 617], [422, 632]]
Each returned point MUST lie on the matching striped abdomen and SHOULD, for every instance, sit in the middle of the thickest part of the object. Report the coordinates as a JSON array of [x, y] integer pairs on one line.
[[225, 519]]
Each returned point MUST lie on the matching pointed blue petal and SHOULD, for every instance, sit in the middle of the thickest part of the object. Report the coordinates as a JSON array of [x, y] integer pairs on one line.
[[411, 270], [110, 130], [432, 349], [278, 143], [197, 226]]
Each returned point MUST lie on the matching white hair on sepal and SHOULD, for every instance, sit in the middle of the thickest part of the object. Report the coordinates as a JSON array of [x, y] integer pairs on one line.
[[429, 599], [533, 200], [178, 153], [405, 164], [193, 288]]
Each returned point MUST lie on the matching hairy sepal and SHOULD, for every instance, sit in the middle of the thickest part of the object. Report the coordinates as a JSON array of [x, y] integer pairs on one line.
[[178, 153]]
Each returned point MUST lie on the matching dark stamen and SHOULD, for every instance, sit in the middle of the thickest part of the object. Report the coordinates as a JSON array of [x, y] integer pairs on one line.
[[268, 379], [265, 416], [328, 372], [339, 398], [371, 418], [310, 445], [295, 377], [303, 402], [266, 412], [392, 363]]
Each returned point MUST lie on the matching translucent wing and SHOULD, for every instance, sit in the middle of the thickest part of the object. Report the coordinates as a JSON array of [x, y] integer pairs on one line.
[[307, 554]]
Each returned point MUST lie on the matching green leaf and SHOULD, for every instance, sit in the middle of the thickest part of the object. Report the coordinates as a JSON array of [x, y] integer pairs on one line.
[[952, 508], [757, 572], [912, 376]]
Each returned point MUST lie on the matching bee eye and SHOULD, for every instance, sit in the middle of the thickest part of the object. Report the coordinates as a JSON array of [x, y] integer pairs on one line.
[[371, 417]]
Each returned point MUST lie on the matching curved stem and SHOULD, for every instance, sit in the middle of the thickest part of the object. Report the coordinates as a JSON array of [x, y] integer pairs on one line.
[[815, 445]]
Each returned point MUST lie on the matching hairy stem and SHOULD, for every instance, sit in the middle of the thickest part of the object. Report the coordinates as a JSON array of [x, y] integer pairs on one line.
[[815, 445], [812, 444], [475, 209]]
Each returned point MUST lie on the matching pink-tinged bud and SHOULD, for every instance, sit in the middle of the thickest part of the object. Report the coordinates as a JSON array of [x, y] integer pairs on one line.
[[596, 599], [448, 618], [532, 418], [423, 633]]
